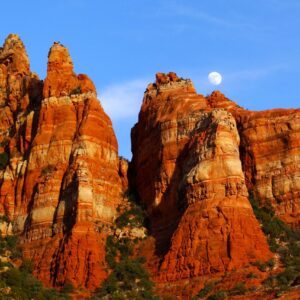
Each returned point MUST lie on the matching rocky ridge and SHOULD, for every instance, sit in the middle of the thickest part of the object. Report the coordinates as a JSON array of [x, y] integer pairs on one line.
[[196, 160]]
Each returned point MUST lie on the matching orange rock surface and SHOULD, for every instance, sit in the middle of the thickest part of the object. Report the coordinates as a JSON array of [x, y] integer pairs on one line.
[[188, 172], [67, 185], [195, 159], [270, 151], [61, 79], [20, 96]]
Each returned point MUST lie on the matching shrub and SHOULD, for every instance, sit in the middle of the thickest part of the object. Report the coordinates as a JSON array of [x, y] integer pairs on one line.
[[4, 218], [239, 289], [260, 265], [76, 91], [221, 295], [4, 159], [133, 217], [286, 277], [283, 240], [67, 288], [206, 290], [27, 266], [48, 169], [270, 281], [251, 275], [128, 278], [11, 241], [22, 283], [4, 142], [271, 263]]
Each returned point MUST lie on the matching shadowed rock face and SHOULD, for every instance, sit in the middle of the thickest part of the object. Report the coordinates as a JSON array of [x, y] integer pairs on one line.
[[62, 181]]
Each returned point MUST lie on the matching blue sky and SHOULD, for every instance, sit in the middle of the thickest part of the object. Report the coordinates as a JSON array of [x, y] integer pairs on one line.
[[121, 44]]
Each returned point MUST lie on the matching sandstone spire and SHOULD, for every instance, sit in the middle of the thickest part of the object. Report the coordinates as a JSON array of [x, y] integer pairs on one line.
[[61, 182], [61, 79], [14, 55]]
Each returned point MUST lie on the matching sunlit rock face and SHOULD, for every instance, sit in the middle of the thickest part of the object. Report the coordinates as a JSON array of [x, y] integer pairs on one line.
[[195, 162], [62, 182], [61, 79], [20, 98], [189, 174], [270, 155], [270, 152]]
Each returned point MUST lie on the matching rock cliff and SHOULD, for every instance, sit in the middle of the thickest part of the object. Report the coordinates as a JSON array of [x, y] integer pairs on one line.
[[61, 181], [196, 162], [270, 152], [20, 96]]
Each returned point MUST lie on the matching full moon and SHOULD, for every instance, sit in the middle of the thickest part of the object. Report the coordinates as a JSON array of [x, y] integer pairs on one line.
[[215, 78]]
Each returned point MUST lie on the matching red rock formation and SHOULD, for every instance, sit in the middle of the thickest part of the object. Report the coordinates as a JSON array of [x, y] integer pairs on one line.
[[189, 174], [20, 95], [72, 183], [68, 185], [195, 158], [61, 79], [270, 151], [123, 172]]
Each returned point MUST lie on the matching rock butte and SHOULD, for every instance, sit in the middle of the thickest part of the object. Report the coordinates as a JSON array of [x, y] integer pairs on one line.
[[195, 160]]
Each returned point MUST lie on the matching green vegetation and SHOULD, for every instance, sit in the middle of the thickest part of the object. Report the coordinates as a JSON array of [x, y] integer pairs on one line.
[[283, 240], [48, 169], [251, 275], [67, 288], [4, 142], [76, 91], [19, 283], [264, 266], [239, 289], [135, 215], [220, 295], [204, 292], [4, 159], [10, 243], [128, 278], [4, 218], [24, 286]]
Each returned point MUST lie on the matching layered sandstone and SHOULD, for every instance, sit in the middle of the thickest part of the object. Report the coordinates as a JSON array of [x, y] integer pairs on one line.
[[189, 174], [270, 152], [20, 96], [61, 79], [72, 182], [195, 159], [63, 182]]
